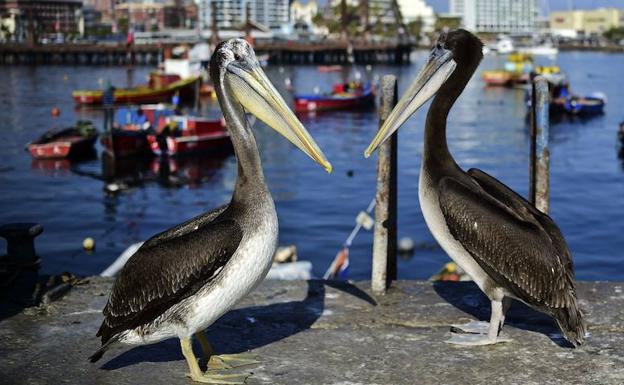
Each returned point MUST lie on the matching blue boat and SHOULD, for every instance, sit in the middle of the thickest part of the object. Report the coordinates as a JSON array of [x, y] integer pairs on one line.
[[562, 101], [577, 105]]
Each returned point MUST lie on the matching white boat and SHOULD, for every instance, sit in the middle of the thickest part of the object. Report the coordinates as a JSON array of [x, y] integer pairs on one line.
[[503, 46], [540, 50]]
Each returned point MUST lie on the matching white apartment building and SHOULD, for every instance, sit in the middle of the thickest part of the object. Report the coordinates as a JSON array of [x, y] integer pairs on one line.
[[497, 16], [232, 13]]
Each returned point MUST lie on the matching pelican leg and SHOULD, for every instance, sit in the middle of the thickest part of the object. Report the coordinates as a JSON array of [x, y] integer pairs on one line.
[[211, 376], [205, 345], [223, 361], [506, 306], [490, 337], [482, 327]]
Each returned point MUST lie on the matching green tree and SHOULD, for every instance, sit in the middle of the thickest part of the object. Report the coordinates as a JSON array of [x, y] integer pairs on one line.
[[615, 34]]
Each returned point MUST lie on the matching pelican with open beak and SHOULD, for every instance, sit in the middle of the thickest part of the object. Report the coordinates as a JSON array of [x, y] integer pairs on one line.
[[509, 248], [182, 280]]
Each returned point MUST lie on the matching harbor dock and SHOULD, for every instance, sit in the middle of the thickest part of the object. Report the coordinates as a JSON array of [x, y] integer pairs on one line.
[[328, 332], [331, 52]]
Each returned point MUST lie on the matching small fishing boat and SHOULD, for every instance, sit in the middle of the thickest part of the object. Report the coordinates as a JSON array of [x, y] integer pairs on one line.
[[545, 49], [131, 127], [161, 88], [578, 105], [332, 68], [517, 70], [350, 96], [497, 78], [181, 135], [72, 142], [562, 101]]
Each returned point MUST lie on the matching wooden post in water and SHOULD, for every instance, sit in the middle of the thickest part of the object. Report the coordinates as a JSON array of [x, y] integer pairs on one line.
[[532, 133], [384, 268], [542, 153]]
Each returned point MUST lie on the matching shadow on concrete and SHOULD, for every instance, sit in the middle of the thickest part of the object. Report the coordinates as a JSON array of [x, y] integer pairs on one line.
[[467, 297], [241, 330], [17, 291]]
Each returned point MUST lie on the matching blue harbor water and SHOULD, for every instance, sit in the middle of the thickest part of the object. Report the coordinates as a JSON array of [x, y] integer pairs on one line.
[[487, 129]]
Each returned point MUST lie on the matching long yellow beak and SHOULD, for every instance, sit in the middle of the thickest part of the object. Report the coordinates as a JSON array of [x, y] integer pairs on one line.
[[254, 91], [428, 81]]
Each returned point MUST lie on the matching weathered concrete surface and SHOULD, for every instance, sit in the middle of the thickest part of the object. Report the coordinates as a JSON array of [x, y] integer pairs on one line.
[[328, 333]]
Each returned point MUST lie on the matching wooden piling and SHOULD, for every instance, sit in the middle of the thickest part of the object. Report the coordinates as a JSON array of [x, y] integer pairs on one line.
[[384, 268], [542, 152]]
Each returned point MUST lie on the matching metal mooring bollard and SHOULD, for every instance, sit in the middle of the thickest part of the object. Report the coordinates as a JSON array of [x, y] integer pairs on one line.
[[384, 268], [540, 154]]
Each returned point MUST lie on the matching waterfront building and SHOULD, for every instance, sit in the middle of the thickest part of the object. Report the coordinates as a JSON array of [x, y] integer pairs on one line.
[[33, 20], [497, 16], [141, 16], [153, 15], [585, 22], [231, 14], [105, 8]]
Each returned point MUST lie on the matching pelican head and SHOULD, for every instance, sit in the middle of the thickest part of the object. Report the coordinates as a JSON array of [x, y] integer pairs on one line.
[[234, 65], [458, 48]]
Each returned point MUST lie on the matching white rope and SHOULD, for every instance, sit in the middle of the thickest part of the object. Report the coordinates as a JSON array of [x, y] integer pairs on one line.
[[350, 238]]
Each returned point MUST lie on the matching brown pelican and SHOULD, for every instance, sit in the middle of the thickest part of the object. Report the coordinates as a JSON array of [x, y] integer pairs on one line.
[[509, 248], [182, 280]]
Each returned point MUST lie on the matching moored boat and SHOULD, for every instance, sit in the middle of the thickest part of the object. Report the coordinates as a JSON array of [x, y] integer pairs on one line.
[[132, 124], [70, 142], [517, 70], [182, 135], [161, 88], [350, 96], [330, 68], [579, 105]]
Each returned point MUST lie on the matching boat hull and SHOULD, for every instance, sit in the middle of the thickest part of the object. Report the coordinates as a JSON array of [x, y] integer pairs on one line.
[[315, 103], [193, 135], [65, 147], [582, 106], [139, 95], [122, 142]]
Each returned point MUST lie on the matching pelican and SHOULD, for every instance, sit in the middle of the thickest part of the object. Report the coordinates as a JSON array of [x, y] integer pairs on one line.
[[182, 280], [509, 248]]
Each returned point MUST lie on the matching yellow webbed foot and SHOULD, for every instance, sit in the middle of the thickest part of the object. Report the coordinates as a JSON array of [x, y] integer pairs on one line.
[[230, 361], [220, 377]]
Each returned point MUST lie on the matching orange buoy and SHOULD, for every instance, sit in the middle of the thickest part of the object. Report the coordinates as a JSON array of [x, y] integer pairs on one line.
[[56, 112]]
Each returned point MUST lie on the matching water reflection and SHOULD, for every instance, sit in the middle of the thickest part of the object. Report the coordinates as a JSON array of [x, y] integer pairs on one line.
[[120, 174], [61, 166]]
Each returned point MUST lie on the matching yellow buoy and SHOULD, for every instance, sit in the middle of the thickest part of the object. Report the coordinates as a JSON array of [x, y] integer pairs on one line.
[[88, 244]]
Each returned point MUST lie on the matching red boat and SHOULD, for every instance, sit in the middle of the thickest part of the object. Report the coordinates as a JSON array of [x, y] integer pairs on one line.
[[71, 142], [161, 88], [343, 97], [131, 127], [180, 135], [125, 142], [334, 68]]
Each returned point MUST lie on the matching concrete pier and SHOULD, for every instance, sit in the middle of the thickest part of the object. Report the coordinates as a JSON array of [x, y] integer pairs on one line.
[[319, 332]]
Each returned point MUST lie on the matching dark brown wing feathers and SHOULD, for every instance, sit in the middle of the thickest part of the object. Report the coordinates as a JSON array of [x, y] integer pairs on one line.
[[163, 273], [508, 242]]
